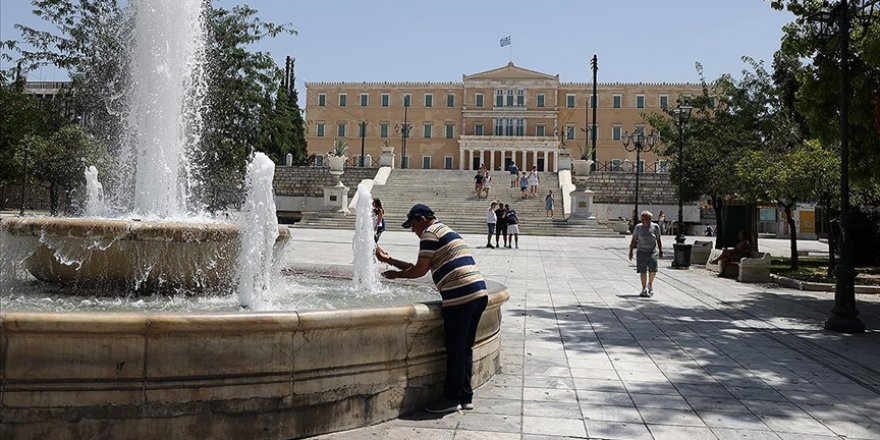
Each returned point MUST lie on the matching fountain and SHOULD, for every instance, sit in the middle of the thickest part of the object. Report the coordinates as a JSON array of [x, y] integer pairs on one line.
[[267, 370]]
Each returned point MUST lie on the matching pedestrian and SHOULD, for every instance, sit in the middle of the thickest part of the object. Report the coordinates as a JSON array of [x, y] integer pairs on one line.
[[708, 230], [378, 219], [463, 289], [740, 251], [646, 242], [487, 184], [490, 224], [661, 220], [501, 224], [514, 174], [533, 181], [523, 185], [478, 183], [548, 204], [512, 226]]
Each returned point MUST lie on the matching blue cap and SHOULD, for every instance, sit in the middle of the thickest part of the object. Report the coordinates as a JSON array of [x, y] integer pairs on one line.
[[417, 211]]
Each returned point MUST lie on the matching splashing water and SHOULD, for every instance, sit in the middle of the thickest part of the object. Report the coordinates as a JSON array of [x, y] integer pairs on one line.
[[167, 93], [95, 206], [259, 230], [366, 268]]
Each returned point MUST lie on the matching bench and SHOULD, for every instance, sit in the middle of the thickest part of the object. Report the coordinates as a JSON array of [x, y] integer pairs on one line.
[[752, 269], [700, 252]]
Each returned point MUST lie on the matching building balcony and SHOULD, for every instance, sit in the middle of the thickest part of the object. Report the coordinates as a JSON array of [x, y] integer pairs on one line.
[[490, 141]]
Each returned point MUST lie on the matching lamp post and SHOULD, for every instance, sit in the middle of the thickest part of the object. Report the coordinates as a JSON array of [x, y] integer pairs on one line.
[[844, 315], [639, 142], [24, 180], [594, 64], [363, 133], [404, 133], [681, 252]]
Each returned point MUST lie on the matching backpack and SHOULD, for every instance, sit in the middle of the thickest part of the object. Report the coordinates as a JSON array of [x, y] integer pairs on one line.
[[511, 217]]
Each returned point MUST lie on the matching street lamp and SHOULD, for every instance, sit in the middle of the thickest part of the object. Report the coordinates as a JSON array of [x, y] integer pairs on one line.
[[639, 142], [404, 132], [363, 130], [24, 179], [681, 252], [844, 315]]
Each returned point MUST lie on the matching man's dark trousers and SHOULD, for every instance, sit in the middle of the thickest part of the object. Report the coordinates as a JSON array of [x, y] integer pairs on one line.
[[460, 323]]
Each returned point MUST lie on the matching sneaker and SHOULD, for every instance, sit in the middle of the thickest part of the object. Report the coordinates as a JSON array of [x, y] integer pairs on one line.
[[489, 246], [650, 290], [644, 293], [467, 406], [517, 246], [442, 406]]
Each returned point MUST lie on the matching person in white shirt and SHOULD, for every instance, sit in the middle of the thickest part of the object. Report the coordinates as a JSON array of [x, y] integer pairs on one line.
[[490, 224]]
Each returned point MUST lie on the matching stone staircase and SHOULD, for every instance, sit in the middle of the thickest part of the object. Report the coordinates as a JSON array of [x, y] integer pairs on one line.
[[450, 193]]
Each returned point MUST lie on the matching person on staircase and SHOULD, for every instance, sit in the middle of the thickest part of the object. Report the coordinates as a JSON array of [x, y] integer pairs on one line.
[[523, 185], [514, 174], [548, 204], [533, 181]]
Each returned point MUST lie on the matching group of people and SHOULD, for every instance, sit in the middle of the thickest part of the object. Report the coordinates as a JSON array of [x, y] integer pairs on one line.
[[501, 221], [482, 182]]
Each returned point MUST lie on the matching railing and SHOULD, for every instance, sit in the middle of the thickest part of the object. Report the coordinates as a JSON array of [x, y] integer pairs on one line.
[[369, 162], [630, 167]]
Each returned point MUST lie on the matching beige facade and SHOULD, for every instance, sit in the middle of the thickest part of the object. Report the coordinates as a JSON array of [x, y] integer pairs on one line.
[[492, 117]]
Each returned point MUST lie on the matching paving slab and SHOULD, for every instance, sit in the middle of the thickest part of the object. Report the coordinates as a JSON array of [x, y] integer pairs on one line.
[[585, 357]]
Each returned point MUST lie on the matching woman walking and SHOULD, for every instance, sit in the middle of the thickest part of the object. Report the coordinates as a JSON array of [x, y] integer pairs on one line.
[[548, 204], [533, 181], [523, 185]]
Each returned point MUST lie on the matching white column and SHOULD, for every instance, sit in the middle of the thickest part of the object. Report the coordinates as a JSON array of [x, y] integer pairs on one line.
[[482, 156], [555, 161], [492, 160], [546, 161], [461, 159], [534, 158]]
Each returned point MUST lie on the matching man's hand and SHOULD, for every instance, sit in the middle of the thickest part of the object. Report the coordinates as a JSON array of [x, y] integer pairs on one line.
[[661, 253], [390, 274], [382, 256], [630, 254]]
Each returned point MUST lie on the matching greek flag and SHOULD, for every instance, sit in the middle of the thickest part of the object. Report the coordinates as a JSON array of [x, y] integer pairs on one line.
[[505, 41]]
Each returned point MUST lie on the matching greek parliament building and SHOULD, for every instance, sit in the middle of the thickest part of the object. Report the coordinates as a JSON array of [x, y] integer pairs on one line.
[[492, 117]]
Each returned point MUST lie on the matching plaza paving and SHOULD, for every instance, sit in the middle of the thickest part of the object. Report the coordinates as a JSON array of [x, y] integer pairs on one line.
[[705, 358]]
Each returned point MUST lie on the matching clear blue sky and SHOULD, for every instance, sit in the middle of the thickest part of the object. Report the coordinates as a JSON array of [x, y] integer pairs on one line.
[[387, 40]]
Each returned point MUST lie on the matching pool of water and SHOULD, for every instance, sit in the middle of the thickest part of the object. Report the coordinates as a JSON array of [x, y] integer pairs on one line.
[[290, 292]]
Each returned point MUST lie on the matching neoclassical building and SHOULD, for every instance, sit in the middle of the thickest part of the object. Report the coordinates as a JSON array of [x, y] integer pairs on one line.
[[492, 117]]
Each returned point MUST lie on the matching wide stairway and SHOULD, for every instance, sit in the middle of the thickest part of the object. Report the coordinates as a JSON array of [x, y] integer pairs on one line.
[[450, 193]]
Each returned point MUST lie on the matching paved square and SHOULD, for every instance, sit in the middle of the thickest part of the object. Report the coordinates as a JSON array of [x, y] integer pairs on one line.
[[705, 358]]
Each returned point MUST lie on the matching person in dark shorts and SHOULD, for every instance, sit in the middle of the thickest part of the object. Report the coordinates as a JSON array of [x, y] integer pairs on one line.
[[646, 242], [465, 297], [512, 226], [491, 220]]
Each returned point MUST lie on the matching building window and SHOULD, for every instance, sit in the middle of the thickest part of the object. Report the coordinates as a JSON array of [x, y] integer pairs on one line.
[[616, 100], [319, 130], [407, 99], [615, 164], [540, 130], [520, 127], [615, 133], [592, 101], [662, 166], [450, 100], [429, 100], [639, 130], [569, 101], [383, 130], [386, 100], [540, 102], [641, 165], [447, 162], [404, 161], [322, 100], [450, 131], [510, 98], [365, 99], [640, 101], [499, 98], [520, 98], [479, 99], [569, 132], [319, 160], [340, 129], [478, 129], [664, 101], [428, 130], [426, 162], [499, 129], [362, 129], [343, 99]]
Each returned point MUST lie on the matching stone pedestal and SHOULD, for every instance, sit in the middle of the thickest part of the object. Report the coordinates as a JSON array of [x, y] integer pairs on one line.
[[581, 167], [336, 198], [386, 159], [582, 208], [564, 160]]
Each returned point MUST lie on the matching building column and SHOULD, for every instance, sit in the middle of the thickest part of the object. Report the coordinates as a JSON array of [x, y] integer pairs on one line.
[[546, 160], [492, 160], [461, 159], [482, 156], [555, 161], [534, 158]]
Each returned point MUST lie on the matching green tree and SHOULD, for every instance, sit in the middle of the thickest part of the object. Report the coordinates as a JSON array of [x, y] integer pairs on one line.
[[58, 161]]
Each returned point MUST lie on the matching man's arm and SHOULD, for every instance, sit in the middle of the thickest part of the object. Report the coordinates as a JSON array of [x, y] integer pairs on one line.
[[632, 244], [659, 243], [412, 271]]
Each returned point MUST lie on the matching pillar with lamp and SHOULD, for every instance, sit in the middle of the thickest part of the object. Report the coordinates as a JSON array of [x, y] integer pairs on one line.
[[836, 20], [682, 252], [403, 129], [639, 142]]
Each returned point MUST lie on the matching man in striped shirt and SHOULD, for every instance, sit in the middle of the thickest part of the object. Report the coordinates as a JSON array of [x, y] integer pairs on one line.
[[463, 290]]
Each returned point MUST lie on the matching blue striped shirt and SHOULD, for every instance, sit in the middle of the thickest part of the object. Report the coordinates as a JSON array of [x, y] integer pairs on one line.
[[452, 266]]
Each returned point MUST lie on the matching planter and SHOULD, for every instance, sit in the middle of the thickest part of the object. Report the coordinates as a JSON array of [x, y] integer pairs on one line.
[[564, 160], [337, 163], [581, 167]]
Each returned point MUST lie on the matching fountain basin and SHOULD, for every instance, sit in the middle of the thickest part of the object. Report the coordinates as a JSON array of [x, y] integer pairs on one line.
[[130, 255], [248, 375]]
